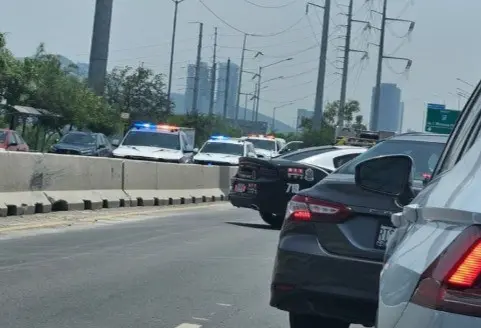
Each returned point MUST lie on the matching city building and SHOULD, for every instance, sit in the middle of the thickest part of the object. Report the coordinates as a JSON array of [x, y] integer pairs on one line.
[[301, 114], [231, 90], [389, 116], [203, 98], [401, 117]]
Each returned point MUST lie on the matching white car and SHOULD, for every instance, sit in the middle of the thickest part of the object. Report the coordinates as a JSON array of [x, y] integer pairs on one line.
[[151, 142], [220, 150], [334, 158], [266, 146]]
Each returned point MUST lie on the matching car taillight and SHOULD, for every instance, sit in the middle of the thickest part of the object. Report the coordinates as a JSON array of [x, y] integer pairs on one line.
[[452, 282], [302, 208]]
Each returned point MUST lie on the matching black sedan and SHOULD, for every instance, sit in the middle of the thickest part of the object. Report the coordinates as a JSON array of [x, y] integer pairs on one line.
[[266, 185], [83, 143], [332, 243]]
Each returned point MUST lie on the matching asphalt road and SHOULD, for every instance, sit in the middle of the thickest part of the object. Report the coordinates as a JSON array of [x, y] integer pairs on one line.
[[207, 267]]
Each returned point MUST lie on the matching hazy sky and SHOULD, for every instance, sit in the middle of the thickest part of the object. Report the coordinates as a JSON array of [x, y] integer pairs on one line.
[[441, 45]]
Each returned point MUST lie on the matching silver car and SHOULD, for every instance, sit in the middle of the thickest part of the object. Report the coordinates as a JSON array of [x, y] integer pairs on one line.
[[432, 272]]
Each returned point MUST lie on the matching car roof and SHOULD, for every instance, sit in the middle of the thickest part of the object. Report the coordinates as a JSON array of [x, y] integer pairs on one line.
[[421, 136], [326, 160], [228, 141]]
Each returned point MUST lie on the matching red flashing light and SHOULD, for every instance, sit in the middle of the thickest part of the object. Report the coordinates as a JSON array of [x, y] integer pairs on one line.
[[302, 208], [451, 283]]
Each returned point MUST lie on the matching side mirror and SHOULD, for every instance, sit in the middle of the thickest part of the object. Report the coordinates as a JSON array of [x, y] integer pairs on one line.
[[196, 150], [251, 154], [386, 175], [115, 142]]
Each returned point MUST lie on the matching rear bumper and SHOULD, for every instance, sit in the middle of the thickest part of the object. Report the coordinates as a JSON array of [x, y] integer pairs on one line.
[[270, 197], [317, 283]]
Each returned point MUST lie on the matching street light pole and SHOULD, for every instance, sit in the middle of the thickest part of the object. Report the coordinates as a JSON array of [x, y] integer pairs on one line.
[[172, 49], [259, 77]]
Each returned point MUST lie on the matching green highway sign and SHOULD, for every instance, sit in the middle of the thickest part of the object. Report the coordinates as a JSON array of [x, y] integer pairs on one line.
[[439, 119]]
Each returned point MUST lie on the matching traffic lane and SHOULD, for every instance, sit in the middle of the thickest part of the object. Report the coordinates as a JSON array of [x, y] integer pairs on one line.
[[191, 267]]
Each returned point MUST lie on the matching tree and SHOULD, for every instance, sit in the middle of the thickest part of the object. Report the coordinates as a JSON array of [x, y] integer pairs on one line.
[[205, 126], [139, 92], [331, 112], [358, 125]]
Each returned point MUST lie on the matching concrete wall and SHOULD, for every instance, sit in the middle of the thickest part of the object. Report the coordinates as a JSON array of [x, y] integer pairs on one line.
[[39, 183]]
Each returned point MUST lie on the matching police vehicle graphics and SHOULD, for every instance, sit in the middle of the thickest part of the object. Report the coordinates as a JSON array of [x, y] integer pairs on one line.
[[266, 185]]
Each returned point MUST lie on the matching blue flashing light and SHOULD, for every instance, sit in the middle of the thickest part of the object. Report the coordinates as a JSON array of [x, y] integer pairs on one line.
[[149, 126], [219, 138]]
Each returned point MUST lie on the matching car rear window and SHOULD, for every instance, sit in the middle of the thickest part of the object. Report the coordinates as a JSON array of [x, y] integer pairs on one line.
[[424, 154], [3, 136], [302, 154]]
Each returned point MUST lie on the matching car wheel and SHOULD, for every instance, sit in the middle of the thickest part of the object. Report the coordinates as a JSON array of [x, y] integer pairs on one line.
[[311, 321], [273, 220]]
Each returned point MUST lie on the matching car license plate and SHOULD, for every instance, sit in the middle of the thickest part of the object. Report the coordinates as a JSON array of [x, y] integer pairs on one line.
[[385, 232], [240, 187]]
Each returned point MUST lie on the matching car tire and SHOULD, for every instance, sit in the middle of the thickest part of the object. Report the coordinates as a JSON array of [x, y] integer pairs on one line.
[[273, 220], [311, 321]]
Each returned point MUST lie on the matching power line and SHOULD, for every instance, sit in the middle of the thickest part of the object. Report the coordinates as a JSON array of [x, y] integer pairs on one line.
[[250, 34], [270, 7]]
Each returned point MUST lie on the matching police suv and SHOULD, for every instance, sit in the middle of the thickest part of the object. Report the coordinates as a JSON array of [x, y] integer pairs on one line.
[[266, 146], [221, 150], [151, 142]]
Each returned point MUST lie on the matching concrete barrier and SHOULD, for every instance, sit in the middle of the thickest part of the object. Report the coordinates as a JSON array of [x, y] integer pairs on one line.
[[40, 183]]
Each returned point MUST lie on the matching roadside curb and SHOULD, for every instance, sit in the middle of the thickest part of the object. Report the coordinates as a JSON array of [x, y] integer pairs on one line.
[[112, 217]]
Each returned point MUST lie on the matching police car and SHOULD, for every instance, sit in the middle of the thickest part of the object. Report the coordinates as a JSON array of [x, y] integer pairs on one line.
[[267, 185], [221, 150], [266, 146], [152, 142]]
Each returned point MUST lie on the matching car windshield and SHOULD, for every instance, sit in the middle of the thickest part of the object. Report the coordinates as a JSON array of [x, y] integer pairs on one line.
[[152, 139], [424, 154], [305, 153], [223, 148], [3, 136], [266, 144], [78, 139]]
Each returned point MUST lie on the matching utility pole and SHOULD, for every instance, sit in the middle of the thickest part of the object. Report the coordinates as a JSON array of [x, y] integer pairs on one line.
[[245, 105], [197, 70], [172, 48], [321, 75], [226, 91], [345, 67], [213, 74], [259, 77], [99, 49], [239, 86], [373, 122], [255, 100]]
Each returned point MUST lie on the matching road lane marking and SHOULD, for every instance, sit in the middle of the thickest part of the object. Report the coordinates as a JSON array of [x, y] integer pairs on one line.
[[200, 319], [188, 325], [223, 304]]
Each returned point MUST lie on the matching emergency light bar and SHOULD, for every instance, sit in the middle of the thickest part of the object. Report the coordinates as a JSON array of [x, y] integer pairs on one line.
[[219, 138], [155, 127], [261, 136]]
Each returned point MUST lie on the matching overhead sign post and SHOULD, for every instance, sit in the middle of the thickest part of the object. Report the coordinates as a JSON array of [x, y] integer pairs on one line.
[[439, 119]]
